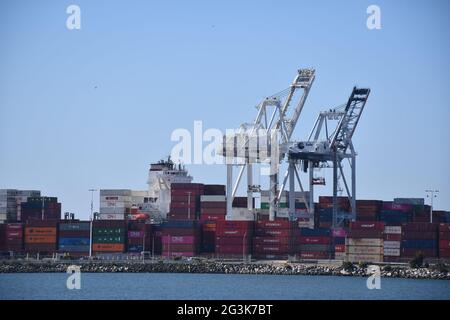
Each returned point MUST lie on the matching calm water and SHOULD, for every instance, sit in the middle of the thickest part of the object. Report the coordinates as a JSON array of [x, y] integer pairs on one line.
[[213, 286]]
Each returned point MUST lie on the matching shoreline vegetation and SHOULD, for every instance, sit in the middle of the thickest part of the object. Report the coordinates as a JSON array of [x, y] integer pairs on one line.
[[438, 272]]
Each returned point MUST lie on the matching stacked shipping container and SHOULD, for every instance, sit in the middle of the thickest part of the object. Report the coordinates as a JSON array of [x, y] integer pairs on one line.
[[115, 204], [140, 237], [180, 238], [365, 242], [444, 241], [315, 243], [40, 208], [368, 210], [419, 237], [339, 236], [233, 238], [392, 239], [273, 239], [185, 201], [108, 236], [41, 236], [74, 237]]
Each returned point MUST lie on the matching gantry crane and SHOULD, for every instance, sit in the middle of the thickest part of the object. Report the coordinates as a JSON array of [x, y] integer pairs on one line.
[[337, 146], [276, 121]]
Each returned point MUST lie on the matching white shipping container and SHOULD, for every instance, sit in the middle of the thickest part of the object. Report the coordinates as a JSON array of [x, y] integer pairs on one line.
[[364, 258], [213, 198], [139, 193], [393, 229], [340, 255], [115, 192], [364, 250], [116, 198], [391, 252], [392, 244], [3, 216], [242, 214], [109, 216], [113, 204], [374, 242], [113, 210]]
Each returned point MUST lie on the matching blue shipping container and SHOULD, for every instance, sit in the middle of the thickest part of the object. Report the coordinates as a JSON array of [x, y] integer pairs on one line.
[[320, 232], [74, 241], [135, 248], [68, 248], [419, 244], [76, 226]]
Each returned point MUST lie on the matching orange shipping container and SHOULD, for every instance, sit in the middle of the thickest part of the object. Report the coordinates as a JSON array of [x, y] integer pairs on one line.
[[108, 247], [40, 239], [42, 231]]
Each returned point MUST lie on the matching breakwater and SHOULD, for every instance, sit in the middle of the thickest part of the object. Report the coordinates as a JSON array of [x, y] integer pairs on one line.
[[440, 273]]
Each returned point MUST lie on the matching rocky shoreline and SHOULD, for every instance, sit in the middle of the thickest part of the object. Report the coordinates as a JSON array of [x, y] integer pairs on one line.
[[227, 268]]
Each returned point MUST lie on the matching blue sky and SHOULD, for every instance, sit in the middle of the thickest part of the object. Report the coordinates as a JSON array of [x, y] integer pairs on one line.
[[159, 66]]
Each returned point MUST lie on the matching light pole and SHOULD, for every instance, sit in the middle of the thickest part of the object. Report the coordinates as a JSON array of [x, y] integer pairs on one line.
[[433, 194], [90, 222]]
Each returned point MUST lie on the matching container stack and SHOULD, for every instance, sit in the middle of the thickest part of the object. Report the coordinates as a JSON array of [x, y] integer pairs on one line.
[[315, 244], [41, 236], [233, 238], [419, 237], [395, 214], [365, 241], [208, 246], [368, 210], [325, 210], [444, 241], [185, 201], [392, 239], [41, 208], [213, 207], [115, 204], [74, 237], [108, 236], [273, 239], [156, 239], [338, 242], [11, 237], [140, 237], [8, 205], [180, 238]]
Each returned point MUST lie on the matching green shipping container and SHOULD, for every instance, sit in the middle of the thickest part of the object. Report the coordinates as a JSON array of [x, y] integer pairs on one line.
[[108, 239], [108, 231]]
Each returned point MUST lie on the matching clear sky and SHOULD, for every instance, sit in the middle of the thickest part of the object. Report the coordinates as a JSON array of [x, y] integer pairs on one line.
[[94, 107]]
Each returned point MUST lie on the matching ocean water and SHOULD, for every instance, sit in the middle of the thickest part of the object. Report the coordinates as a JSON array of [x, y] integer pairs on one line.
[[156, 286]]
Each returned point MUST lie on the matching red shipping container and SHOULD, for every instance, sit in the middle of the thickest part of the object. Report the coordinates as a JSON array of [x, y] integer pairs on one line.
[[282, 233], [314, 255], [397, 207], [213, 211], [444, 235], [444, 244], [206, 217], [373, 225], [180, 232], [179, 239], [444, 253], [232, 249], [413, 226], [213, 204], [314, 240], [234, 233], [271, 249], [281, 224], [271, 240], [14, 233], [365, 234], [392, 237], [166, 247], [411, 252], [14, 226], [234, 225], [339, 248], [444, 227], [419, 235], [232, 240]]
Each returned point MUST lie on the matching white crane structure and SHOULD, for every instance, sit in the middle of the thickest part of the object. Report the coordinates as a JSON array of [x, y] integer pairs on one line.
[[319, 152], [266, 140]]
